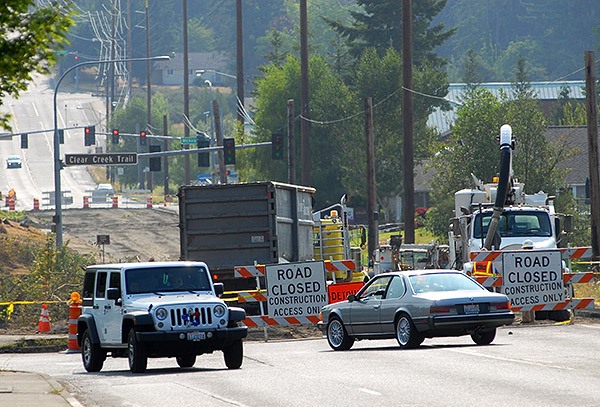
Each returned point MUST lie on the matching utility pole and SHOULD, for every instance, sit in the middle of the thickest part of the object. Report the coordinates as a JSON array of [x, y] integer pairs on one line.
[[593, 159], [240, 65], [219, 136], [186, 92], [408, 201], [149, 86], [372, 214], [291, 143], [304, 98], [129, 47], [166, 158]]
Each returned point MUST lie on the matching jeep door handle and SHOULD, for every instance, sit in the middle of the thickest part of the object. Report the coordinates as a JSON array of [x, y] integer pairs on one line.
[[376, 306]]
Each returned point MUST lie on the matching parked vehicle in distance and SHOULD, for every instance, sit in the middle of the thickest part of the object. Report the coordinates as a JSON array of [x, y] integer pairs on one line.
[[414, 305], [156, 309], [13, 161], [103, 193]]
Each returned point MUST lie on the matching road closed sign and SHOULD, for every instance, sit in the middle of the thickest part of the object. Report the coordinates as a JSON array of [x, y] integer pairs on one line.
[[296, 289], [533, 277]]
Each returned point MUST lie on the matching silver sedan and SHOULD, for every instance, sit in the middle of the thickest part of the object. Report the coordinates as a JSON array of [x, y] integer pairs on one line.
[[413, 305]]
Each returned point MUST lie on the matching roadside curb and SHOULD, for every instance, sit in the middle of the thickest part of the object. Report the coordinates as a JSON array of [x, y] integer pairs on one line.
[[61, 390]]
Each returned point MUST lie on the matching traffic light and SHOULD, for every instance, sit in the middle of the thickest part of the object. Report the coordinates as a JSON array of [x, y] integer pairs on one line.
[[277, 146], [229, 150], [115, 136], [142, 138], [24, 140], [203, 158], [89, 135], [154, 162], [61, 136]]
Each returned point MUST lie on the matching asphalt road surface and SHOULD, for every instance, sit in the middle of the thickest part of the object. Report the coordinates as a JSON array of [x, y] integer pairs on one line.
[[539, 365]]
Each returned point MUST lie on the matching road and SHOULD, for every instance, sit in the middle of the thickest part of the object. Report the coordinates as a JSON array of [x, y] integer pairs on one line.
[[539, 365], [33, 111]]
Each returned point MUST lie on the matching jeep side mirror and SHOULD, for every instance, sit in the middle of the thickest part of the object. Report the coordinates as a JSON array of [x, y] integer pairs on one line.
[[219, 289], [113, 293]]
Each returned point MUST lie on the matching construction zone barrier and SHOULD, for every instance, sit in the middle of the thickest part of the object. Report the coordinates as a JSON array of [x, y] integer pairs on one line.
[[264, 320], [115, 201], [11, 204], [488, 268], [44, 323], [284, 280], [74, 313], [86, 202], [36, 204], [149, 202]]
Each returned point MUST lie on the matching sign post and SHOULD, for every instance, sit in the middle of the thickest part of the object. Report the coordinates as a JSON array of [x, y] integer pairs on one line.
[[296, 289]]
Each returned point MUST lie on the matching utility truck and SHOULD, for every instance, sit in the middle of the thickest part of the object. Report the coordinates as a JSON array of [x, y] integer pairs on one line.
[[500, 216]]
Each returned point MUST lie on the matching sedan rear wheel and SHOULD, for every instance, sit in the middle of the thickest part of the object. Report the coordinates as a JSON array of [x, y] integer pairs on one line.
[[484, 337], [406, 333], [337, 337]]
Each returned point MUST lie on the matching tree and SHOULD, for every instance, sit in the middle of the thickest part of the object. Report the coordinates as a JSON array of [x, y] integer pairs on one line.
[[29, 38], [332, 133], [379, 25]]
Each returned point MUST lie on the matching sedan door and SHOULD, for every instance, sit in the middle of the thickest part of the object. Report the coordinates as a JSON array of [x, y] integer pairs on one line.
[[396, 291], [365, 319]]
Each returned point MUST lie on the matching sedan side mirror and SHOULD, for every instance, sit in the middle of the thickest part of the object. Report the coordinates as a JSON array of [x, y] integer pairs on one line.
[[351, 298]]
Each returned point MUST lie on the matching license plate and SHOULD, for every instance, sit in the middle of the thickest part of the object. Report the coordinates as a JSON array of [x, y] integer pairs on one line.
[[472, 309], [196, 336]]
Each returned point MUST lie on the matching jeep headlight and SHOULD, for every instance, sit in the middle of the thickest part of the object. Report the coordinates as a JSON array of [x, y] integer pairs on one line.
[[161, 314], [219, 311]]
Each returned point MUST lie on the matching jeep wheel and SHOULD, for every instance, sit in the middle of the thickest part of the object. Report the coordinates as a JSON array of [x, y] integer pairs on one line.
[[186, 361], [234, 353], [92, 355], [137, 354]]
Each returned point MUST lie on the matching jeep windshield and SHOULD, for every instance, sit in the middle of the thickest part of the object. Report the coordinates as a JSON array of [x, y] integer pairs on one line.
[[166, 279], [515, 224]]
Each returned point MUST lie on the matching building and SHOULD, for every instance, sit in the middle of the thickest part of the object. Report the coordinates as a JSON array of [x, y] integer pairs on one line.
[[214, 65]]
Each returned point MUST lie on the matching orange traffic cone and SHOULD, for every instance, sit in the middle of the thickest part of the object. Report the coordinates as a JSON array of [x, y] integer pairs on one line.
[[44, 324]]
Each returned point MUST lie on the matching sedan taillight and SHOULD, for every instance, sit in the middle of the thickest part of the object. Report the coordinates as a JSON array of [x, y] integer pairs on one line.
[[500, 306], [439, 309]]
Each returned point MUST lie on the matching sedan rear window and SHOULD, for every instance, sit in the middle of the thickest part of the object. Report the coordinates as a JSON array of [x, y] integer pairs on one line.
[[423, 283]]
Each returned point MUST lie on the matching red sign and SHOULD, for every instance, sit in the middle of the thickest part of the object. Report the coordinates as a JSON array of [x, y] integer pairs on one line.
[[340, 292]]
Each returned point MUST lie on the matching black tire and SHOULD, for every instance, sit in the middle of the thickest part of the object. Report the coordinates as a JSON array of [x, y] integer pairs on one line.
[[484, 337], [406, 333], [234, 354], [137, 354], [92, 354], [186, 361], [337, 336]]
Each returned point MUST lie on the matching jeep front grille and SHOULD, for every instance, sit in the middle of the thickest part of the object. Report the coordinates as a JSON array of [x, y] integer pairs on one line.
[[191, 316]]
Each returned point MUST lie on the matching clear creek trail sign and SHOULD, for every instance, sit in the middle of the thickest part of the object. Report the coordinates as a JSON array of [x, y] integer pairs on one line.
[[101, 159]]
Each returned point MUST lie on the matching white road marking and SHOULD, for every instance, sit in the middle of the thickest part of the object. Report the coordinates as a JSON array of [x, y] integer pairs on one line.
[[523, 361], [369, 391]]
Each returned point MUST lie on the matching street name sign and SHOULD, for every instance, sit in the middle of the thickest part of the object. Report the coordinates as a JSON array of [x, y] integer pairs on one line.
[[188, 140], [101, 159]]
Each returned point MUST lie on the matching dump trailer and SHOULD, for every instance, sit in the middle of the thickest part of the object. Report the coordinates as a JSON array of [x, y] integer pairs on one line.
[[227, 225]]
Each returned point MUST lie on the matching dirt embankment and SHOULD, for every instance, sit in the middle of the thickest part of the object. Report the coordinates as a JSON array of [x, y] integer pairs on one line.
[[135, 234]]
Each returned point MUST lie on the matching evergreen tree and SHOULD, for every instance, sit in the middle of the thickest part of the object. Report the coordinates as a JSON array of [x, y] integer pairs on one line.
[[379, 25]]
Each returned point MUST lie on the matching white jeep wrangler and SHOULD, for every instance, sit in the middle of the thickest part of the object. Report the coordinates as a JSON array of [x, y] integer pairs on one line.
[[156, 309]]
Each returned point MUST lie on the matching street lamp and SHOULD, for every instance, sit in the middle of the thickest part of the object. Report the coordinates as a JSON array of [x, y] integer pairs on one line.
[[57, 163]]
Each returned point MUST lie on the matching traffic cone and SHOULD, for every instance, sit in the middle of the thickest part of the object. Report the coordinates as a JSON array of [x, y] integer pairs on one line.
[[44, 324]]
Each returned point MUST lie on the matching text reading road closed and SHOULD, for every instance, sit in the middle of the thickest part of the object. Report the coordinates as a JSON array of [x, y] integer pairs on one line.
[[296, 289], [533, 277]]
